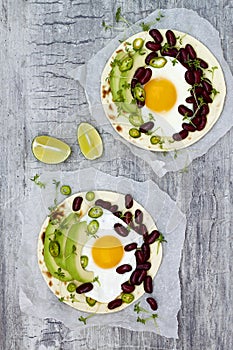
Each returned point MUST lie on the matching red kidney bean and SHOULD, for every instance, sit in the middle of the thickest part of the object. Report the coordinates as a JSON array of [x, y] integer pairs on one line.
[[196, 121], [127, 288], [104, 204], [84, 288], [171, 52], [189, 77], [195, 105], [77, 202], [140, 257], [206, 97], [183, 55], [183, 110], [183, 134], [146, 77], [140, 104], [130, 246], [123, 269], [197, 90], [191, 52], [151, 238], [148, 285], [207, 86], [151, 45], [197, 76], [156, 35], [140, 72], [121, 230], [138, 215], [204, 110], [114, 304], [190, 99], [202, 123], [128, 201], [203, 63], [141, 277], [133, 83], [146, 251], [134, 277], [118, 214], [127, 218], [145, 266], [180, 135], [150, 56], [153, 303], [188, 127], [143, 230], [137, 229], [113, 208], [171, 39], [146, 127], [131, 224]]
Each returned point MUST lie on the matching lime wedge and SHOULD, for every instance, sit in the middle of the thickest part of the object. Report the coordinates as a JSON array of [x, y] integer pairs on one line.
[[89, 140], [50, 150]]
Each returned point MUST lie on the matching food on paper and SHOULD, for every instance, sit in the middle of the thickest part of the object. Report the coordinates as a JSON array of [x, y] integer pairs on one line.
[[99, 251], [162, 90]]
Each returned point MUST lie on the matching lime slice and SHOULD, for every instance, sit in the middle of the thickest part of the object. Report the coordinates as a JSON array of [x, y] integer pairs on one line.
[[89, 140], [50, 150]]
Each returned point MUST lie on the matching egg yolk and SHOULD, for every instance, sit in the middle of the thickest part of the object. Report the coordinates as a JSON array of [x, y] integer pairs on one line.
[[107, 251], [160, 95]]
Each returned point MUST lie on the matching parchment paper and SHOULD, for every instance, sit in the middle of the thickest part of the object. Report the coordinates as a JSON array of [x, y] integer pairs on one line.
[[188, 21], [35, 297]]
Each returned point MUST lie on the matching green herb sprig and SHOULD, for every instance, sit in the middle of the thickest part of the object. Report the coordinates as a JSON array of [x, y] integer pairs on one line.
[[36, 180], [84, 319]]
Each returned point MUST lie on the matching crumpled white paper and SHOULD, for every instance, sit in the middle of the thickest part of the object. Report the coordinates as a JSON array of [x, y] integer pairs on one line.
[[188, 21], [35, 297]]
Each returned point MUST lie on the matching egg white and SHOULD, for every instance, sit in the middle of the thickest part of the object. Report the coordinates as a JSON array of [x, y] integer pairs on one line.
[[110, 281], [170, 121]]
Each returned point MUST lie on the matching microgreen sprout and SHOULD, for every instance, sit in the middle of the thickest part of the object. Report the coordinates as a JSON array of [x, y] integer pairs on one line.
[[84, 319], [36, 180], [138, 308], [174, 61], [59, 273], [73, 299], [61, 299], [96, 279], [212, 70], [160, 240], [144, 320]]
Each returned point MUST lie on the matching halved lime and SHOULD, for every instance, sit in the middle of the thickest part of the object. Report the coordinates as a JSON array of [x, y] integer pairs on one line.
[[50, 150], [89, 140]]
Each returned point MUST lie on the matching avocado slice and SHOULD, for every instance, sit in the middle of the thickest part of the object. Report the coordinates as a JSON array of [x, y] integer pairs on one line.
[[61, 235], [121, 95], [49, 260], [77, 237]]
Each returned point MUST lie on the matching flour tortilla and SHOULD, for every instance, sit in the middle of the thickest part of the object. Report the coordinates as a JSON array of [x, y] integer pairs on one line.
[[120, 122], [58, 287]]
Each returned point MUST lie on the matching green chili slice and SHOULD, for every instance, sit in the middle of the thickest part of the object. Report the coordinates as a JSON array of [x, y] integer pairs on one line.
[[71, 287], [135, 133], [54, 248], [127, 298], [66, 190], [90, 301], [84, 261]]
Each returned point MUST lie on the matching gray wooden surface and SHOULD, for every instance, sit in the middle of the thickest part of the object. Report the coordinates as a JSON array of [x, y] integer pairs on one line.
[[40, 41]]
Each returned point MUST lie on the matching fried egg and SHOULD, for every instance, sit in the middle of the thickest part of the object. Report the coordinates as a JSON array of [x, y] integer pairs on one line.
[[166, 90], [105, 252]]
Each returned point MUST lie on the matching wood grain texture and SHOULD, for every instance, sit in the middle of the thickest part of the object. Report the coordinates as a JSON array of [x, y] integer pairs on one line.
[[40, 41]]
